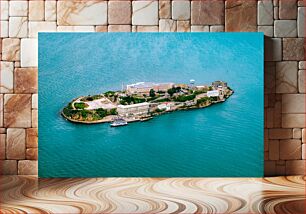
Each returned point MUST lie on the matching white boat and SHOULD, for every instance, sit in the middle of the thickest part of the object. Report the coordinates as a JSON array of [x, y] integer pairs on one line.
[[118, 122]]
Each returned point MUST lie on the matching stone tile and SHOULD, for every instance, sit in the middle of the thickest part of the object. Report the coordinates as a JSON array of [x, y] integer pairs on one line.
[[297, 133], [4, 10], [304, 135], [287, 9], [17, 110], [280, 133], [2, 146], [183, 26], [1, 112], [119, 28], [75, 29], [32, 154], [301, 81], [38, 26], [34, 101], [269, 120], [29, 53], [270, 168], [34, 118], [241, 15], [217, 28], [293, 120], [266, 155], [277, 118], [199, 28], [293, 49], [269, 77], [285, 28], [303, 151], [2, 130], [265, 12], [266, 139], [302, 65], [17, 64], [50, 10], [164, 9], [286, 77], [275, 13], [119, 12], [31, 138], [4, 29], [81, 12], [11, 49], [15, 143], [207, 12], [6, 77], [267, 30], [101, 28], [147, 28], [293, 103], [18, 8], [8, 167], [301, 3], [145, 13], [18, 27], [167, 25], [290, 149], [36, 10], [301, 22], [273, 150], [27, 167], [26, 80], [295, 167], [280, 169], [180, 10]]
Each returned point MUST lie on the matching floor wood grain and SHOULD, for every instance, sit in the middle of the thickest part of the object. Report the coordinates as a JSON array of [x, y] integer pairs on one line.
[[27, 194]]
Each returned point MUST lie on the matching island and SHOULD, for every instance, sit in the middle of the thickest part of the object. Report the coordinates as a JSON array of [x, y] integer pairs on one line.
[[144, 100]]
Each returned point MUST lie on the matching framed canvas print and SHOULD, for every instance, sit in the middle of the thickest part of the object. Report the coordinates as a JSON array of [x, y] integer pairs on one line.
[[151, 105]]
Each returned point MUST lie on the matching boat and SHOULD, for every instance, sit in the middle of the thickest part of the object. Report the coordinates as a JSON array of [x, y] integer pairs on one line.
[[118, 122]]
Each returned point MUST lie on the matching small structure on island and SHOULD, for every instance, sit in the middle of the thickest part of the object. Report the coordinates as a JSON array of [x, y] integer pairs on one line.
[[139, 109], [145, 87], [218, 83], [213, 93], [164, 106]]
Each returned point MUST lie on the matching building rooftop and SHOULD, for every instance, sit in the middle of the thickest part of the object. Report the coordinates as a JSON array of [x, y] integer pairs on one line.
[[146, 84], [133, 105]]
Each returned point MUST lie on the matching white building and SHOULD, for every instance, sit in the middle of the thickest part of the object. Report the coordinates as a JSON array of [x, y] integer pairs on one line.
[[213, 93], [134, 109], [164, 106], [145, 87]]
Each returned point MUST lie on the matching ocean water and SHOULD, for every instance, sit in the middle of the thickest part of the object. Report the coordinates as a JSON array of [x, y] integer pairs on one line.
[[224, 140]]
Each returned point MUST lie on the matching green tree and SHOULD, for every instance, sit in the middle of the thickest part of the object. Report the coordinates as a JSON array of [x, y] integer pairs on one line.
[[152, 93], [113, 111], [171, 91], [101, 112]]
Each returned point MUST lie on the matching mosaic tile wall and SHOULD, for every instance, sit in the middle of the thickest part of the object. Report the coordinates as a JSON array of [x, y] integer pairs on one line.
[[282, 21]]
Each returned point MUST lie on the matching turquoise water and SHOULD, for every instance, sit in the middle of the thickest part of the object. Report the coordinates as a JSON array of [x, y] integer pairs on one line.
[[223, 140]]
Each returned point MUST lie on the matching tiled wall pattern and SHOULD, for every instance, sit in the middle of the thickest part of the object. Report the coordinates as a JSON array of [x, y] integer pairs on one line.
[[282, 21]]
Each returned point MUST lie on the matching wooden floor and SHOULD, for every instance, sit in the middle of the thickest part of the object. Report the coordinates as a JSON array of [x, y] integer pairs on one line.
[[153, 195]]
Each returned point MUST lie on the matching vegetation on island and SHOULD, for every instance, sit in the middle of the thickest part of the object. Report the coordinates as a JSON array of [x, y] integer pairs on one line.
[[81, 114]]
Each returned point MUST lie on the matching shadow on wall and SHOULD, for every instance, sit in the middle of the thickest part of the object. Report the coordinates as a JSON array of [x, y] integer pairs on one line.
[[272, 102]]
